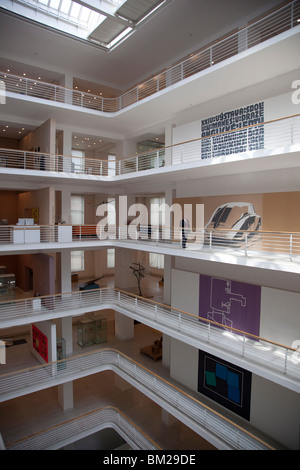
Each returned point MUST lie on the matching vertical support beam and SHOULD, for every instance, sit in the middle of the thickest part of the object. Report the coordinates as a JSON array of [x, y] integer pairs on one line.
[[64, 327]]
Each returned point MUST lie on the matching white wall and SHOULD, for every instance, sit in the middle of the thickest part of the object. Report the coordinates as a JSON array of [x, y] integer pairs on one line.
[[274, 108], [185, 291], [274, 409], [280, 319]]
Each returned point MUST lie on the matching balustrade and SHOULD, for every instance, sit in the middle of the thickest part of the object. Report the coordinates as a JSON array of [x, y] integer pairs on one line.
[[184, 406], [271, 356], [276, 22]]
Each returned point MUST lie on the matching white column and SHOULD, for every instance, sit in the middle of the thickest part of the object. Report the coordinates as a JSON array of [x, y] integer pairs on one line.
[[65, 391], [169, 260], [67, 82], [124, 327], [66, 206], [168, 142], [124, 278], [67, 150], [65, 396]]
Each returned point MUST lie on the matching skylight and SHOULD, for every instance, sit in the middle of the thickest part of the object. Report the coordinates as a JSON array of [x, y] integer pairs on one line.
[[65, 15], [106, 23]]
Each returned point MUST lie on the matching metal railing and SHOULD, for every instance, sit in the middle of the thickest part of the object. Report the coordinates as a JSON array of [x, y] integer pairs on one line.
[[200, 417], [256, 243], [276, 135], [70, 431], [195, 330], [278, 21]]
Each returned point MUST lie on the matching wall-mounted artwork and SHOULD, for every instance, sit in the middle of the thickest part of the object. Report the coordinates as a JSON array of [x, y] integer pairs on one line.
[[40, 342], [230, 132], [231, 304], [225, 383]]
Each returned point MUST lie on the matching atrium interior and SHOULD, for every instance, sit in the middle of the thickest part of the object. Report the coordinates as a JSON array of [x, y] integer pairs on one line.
[[149, 225]]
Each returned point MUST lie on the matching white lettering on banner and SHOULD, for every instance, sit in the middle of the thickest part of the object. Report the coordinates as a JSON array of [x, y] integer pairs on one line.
[[296, 94], [296, 354], [2, 352], [2, 92], [140, 227]]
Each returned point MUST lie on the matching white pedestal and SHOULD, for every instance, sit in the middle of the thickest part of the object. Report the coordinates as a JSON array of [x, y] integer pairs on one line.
[[64, 233], [36, 304]]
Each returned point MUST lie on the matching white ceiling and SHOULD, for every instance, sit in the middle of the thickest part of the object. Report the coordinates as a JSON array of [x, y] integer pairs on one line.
[[181, 27]]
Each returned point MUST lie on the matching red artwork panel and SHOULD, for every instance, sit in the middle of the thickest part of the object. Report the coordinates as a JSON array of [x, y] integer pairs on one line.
[[40, 342]]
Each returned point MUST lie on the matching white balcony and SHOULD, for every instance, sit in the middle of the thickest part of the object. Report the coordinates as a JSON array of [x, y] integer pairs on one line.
[[66, 433], [220, 431], [258, 248], [279, 149], [274, 361], [260, 31]]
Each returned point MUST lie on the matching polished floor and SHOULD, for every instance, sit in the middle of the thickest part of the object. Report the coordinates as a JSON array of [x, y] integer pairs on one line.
[[36, 412]]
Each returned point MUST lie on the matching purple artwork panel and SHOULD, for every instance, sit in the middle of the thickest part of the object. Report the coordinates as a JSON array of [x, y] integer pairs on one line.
[[232, 304]]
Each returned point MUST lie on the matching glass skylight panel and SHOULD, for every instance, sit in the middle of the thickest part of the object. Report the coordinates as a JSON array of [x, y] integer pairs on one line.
[[54, 4], [75, 10], [65, 6], [74, 19], [65, 15]]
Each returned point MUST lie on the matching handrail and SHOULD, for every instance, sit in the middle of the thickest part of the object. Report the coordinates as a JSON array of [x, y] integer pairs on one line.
[[281, 132], [199, 139], [251, 242], [45, 439], [180, 401], [187, 327], [255, 32], [151, 301]]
